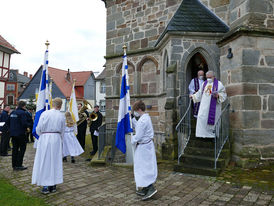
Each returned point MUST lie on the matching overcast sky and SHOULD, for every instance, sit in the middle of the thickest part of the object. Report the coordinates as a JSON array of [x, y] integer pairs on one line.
[[76, 31]]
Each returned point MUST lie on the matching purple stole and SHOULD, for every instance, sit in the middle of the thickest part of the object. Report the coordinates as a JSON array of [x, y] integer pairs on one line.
[[196, 88], [213, 102]]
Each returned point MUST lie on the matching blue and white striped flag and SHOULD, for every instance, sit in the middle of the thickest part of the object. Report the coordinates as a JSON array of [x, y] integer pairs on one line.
[[124, 122], [43, 95]]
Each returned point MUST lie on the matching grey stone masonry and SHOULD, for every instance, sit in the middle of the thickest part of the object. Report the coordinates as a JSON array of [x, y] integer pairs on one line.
[[252, 13], [248, 77], [147, 19], [140, 19]]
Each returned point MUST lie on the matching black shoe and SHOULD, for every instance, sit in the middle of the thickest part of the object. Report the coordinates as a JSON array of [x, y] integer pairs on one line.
[[52, 188], [88, 160], [72, 160], [142, 192], [45, 190], [92, 153], [151, 191], [65, 159], [5, 155], [21, 168]]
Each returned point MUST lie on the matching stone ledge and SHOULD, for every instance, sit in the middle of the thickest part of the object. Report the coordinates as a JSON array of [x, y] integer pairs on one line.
[[245, 31], [138, 51], [139, 96]]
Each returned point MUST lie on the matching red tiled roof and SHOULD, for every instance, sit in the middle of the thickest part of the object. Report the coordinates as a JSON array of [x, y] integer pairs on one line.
[[59, 78], [6, 44]]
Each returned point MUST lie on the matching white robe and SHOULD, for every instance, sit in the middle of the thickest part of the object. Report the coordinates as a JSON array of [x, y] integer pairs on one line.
[[202, 128], [48, 165], [71, 145], [191, 87], [145, 164]]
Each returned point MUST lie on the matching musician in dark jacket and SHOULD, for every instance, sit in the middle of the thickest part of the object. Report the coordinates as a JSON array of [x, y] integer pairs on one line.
[[82, 125], [18, 124], [96, 122], [5, 137]]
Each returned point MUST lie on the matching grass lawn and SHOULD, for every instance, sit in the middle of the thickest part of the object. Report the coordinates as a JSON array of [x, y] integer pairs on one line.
[[10, 196]]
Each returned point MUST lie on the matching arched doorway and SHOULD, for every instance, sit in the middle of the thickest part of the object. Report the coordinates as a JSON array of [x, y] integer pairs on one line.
[[196, 63]]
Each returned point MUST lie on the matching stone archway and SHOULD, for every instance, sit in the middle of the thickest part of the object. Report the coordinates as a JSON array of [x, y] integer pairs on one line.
[[206, 55]]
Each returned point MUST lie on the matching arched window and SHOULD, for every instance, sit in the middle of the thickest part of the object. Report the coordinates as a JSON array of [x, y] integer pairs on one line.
[[148, 76], [116, 80]]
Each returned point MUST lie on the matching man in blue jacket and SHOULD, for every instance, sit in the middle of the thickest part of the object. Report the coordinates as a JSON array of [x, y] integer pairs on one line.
[[5, 137], [18, 124]]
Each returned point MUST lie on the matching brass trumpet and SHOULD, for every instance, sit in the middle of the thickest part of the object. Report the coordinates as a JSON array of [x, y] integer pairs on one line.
[[93, 116], [81, 113]]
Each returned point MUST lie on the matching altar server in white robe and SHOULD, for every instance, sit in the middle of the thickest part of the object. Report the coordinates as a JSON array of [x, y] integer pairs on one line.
[[145, 164], [71, 146], [48, 165], [210, 95]]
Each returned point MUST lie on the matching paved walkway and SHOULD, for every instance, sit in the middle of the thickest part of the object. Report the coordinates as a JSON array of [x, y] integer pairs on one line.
[[85, 185]]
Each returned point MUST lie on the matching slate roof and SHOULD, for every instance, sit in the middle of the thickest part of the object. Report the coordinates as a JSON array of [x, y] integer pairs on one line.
[[193, 16], [22, 78], [102, 75], [4, 43]]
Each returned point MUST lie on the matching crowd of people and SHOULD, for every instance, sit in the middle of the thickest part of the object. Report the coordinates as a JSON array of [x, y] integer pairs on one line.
[[60, 137]]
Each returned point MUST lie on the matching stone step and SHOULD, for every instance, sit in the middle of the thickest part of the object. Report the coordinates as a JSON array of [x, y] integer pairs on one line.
[[189, 169], [201, 142], [206, 152], [201, 161]]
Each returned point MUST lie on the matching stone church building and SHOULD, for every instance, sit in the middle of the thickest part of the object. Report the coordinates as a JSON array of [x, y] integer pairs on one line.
[[168, 41]]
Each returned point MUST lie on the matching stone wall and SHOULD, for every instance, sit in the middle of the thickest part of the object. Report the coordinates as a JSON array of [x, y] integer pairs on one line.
[[219, 7], [249, 81], [251, 13], [137, 23]]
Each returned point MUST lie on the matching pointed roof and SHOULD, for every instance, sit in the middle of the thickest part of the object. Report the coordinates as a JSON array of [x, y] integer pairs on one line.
[[193, 16], [4, 43], [102, 75], [65, 86]]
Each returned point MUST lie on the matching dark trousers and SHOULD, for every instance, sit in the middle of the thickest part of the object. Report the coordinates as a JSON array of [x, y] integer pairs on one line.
[[30, 136], [5, 139], [18, 150], [81, 136], [94, 141]]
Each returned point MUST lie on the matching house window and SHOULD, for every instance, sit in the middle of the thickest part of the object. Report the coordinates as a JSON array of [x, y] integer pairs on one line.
[[10, 100], [103, 87], [103, 105], [10, 87]]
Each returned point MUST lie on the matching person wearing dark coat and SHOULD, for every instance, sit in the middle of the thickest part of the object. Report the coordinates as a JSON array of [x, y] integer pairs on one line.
[[5, 137], [18, 124], [82, 126], [95, 127], [29, 132]]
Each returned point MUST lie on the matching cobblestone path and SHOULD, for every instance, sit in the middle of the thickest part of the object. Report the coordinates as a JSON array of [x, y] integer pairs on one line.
[[86, 185]]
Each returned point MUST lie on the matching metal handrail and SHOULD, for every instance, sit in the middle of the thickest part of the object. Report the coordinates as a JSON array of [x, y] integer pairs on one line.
[[221, 136], [180, 122], [181, 143]]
